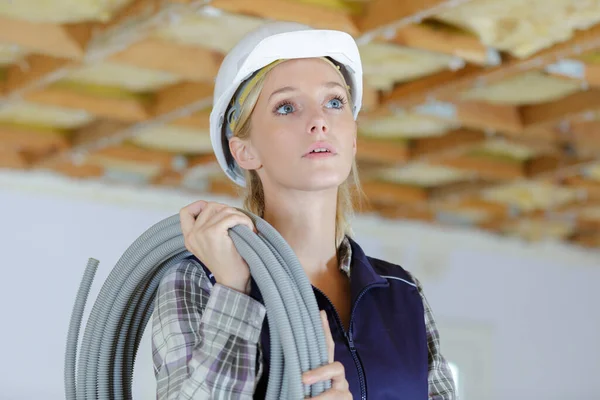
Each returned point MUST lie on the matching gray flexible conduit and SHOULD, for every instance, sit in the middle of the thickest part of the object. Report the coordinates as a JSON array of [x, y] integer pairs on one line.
[[125, 304]]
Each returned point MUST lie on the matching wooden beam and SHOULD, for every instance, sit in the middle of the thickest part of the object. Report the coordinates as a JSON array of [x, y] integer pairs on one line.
[[25, 139], [56, 40], [405, 212], [11, 159], [590, 187], [391, 151], [578, 70], [382, 151], [133, 154], [430, 87], [183, 95], [555, 111], [128, 109], [189, 62], [287, 10], [100, 130], [448, 85], [33, 71], [198, 120], [486, 167], [455, 139], [379, 192], [445, 40], [79, 171], [380, 13], [476, 115]]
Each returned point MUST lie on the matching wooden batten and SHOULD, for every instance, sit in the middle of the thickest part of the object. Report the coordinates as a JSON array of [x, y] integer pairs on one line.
[[55, 40], [31, 140], [182, 95], [189, 62], [555, 111], [379, 192], [122, 109], [379, 13], [382, 151], [33, 69], [443, 40], [310, 14]]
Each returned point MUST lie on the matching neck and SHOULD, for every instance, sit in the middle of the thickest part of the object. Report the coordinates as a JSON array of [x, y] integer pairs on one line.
[[306, 220]]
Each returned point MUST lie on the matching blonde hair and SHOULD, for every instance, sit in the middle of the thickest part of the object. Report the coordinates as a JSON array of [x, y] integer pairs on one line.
[[254, 197]]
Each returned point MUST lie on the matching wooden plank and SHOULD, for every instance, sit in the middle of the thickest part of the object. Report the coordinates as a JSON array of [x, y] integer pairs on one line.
[[79, 171], [455, 139], [56, 40], [379, 192], [555, 111], [310, 14], [449, 84], [379, 13], [33, 71], [382, 151], [420, 90], [183, 95], [488, 168], [100, 130], [197, 120], [28, 139], [405, 212], [589, 187], [190, 62], [123, 109], [11, 159], [133, 154], [476, 115], [443, 40]]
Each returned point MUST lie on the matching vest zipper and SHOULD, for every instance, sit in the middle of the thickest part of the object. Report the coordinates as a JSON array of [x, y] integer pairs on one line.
[[350, 340]]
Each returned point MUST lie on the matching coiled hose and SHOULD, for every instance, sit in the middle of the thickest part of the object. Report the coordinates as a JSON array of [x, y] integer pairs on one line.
[[126, 301]]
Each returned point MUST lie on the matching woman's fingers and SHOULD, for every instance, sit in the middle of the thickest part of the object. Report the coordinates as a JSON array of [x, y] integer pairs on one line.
[[188, 214], [228, 217], [334, 372]]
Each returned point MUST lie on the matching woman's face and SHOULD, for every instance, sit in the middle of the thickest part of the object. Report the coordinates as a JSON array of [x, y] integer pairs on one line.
[[303, 134]]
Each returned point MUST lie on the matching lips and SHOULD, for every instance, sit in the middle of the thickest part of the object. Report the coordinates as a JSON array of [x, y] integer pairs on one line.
[[320, 148]]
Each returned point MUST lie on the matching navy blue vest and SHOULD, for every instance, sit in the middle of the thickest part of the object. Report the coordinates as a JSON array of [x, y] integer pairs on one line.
[[384, 352]]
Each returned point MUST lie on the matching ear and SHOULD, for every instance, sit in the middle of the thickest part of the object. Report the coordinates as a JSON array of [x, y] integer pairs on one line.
[[244, 153]]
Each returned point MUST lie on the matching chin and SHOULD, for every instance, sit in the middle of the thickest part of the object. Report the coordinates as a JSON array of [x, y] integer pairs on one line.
[[315, 182]]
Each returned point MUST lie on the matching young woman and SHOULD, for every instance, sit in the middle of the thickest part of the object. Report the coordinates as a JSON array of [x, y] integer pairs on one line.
[[283, 125]]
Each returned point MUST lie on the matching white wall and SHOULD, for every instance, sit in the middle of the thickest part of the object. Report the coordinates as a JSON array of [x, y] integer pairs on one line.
[[522, 320]]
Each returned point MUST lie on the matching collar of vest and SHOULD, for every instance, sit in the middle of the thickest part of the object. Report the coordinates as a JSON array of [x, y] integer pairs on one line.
[[362, 272]]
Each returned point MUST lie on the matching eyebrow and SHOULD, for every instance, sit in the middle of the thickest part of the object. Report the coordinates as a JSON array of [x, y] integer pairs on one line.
[[287, 89]]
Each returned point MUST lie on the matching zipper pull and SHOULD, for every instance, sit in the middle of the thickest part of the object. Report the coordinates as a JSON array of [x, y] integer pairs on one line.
[[350, 340]]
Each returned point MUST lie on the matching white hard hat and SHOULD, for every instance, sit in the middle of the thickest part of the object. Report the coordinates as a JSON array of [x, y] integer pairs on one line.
[[269, 43]]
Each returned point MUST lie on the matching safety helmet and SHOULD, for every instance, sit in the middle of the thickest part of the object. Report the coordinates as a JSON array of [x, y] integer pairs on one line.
[[263, 46]]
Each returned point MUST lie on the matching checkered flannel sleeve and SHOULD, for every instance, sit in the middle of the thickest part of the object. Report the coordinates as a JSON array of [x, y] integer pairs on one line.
[[204, 338], [440, 379]]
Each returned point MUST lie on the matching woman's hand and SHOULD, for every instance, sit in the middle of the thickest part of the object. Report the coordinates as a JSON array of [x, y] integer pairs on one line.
[[205, 227], [333, 370]]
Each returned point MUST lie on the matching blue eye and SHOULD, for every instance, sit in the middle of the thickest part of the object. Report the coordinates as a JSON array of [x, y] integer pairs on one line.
[[285, 109], [335, 103]]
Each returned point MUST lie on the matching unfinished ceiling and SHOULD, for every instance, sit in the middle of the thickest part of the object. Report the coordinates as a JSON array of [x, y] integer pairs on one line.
[[477, 113]]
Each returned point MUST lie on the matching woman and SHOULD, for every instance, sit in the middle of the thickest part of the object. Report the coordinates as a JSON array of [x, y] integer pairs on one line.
[[283, 125]]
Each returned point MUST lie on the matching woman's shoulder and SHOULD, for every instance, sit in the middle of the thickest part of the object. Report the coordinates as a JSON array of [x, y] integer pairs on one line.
[[388, 269]]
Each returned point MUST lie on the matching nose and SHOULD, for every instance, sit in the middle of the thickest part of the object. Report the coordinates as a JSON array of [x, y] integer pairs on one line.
[[318, 125]]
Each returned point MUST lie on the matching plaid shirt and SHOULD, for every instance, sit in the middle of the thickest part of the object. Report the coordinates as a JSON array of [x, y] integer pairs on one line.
[[205, 338]]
